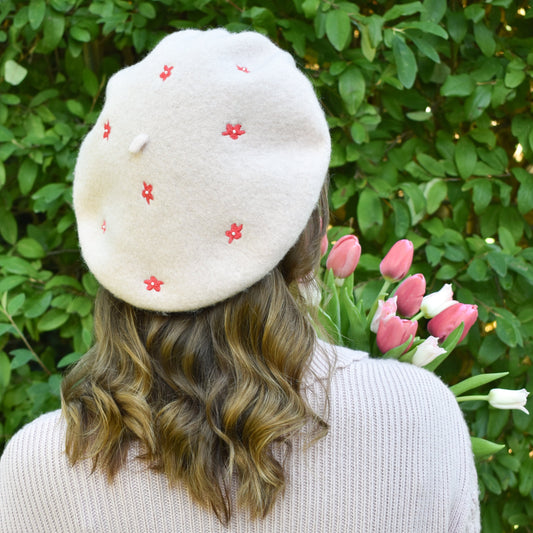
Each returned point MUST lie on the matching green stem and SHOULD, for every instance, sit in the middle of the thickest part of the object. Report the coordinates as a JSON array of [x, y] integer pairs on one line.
[[473, 398], [381, 296], [418, 316]]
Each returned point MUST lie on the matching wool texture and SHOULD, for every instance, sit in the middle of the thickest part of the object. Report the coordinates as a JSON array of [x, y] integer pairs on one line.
[[397, 459], [201, 171]]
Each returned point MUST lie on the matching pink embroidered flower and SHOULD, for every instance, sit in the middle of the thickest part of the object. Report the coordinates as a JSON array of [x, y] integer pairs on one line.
[[103, 226], [233, 131], [153, 284], [234, 232], [167, 71], [107, 130], [147, 192], [243, 69]]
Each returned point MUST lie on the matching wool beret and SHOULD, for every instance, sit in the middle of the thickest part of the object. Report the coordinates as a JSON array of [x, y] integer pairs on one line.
[[201, 171]]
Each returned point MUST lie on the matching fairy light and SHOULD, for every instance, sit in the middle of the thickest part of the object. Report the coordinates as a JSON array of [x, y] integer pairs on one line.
[[521, 11], [356, 33], [531, 454], [428, 109], [456, 136], [518, 153], [490, 326], [312, 66], [494, 123], [508, 28], [490, 240]]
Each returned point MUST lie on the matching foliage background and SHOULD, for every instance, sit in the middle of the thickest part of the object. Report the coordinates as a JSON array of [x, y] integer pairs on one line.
[[427, 103]]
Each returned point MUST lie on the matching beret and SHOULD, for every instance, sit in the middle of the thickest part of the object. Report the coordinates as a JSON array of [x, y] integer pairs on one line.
[[201, 171]]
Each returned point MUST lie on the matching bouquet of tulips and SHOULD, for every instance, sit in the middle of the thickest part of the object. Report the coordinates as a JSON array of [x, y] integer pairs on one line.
[[390, 327]]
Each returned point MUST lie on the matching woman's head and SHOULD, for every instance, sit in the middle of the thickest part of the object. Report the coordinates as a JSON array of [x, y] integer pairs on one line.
[[201, 172]]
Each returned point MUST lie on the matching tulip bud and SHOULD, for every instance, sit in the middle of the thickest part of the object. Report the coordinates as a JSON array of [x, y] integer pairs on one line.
[[449, 319], [397, 262], [394, 332], [436, 302], [385, 310], [344, 256], [509, 399], [427, 351], [324, 244], [410, 294]]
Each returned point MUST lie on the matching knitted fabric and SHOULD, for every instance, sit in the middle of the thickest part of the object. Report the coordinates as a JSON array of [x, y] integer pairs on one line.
[[397, 459], [201, 172]]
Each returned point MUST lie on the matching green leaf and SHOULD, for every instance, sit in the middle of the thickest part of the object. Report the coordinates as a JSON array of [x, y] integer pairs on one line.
[[52, 320], [482, 447], [465, 157], [338, 29], [8, 226], [477, 269], [80, 34], [484, 39], [474, 12], [525, 191], [13, 72], [491, 350], [457, 26], [403, 10], [15, 304], [26, 175], [147, 10], [424, 46], [434, 10], [54, 26], [482, 194], [425, 27], [402, 218], [36, 12], [30, 248], [449, 344], [69, 359], [405, 62], [460, 85], [352, 88], [37, 305], [310, 7], [526, 477], [497, 262], [476, 381], [369, 210], [21, 357], [5, 371], [419, 116], [435, 193], [368, 50], [477, 102]]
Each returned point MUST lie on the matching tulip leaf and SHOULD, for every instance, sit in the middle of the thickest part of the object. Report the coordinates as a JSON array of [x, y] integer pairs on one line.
[[356, 332], [331, 329], [331, 304], [396, 352], [476, 381], [449, 344], [482, 447]]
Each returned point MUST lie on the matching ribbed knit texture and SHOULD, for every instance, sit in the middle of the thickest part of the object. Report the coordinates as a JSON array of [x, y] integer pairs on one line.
[[397, 459]]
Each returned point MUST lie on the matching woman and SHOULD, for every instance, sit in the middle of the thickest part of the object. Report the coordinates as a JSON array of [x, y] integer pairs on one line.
[[206, 403]]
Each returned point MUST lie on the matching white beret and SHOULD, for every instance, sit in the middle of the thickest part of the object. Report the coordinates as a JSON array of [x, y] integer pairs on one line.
[[201, 171]]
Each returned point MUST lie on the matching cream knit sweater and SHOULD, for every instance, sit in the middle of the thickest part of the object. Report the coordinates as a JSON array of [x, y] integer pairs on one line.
[[397, 459]]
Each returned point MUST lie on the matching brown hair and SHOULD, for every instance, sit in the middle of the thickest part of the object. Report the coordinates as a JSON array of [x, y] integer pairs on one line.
[[206, 394]]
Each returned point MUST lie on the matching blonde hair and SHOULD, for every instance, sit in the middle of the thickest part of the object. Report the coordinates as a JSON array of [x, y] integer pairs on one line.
[[206, 394]]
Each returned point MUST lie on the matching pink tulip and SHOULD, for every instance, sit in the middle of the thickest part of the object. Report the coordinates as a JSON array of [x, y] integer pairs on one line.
[[324, 244], [410, 294], [386, 309], [445, 322], [397, 262], [344, 256], [394, 332]]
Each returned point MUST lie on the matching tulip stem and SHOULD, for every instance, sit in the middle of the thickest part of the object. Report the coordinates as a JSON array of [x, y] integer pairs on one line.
[[380, 296], [473, 398], [418, 316]]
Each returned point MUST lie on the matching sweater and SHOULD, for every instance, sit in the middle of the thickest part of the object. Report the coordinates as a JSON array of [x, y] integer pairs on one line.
[[397, 458]]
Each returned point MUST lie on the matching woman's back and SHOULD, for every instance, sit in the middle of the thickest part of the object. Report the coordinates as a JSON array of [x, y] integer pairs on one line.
[[379, 469]]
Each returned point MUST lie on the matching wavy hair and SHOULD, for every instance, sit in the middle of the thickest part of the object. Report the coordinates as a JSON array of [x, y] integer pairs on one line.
[[208, 395]]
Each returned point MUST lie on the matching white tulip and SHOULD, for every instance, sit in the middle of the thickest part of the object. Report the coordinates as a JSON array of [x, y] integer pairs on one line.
[[436, 302], [509, 399], [427, 351], [385, 310], [311, 293]]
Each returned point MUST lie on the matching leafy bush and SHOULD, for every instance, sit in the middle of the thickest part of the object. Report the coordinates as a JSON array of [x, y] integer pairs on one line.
[[429, 107]]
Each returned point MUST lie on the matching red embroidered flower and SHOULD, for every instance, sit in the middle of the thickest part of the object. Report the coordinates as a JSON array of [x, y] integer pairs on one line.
[[234, 232], [233, 131], [153, 283], [103, 226], [107, 130], [167, 71], [243, 69], [147, 192]]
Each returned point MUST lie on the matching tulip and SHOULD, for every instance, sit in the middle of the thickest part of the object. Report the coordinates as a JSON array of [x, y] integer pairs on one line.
[[397, 262], [385, 310], [449, 319], [324, 245], [436, 302], [344, 256], [427, 351], [509, 399], [394, 332], [410, 294], [311, 293]]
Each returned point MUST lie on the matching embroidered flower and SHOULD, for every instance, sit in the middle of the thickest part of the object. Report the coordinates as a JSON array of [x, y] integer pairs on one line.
[[147, 192], [103, 226], [243, 69], [233, 131], [107, 130], [153, 283], [167, 71], [234, 232]]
